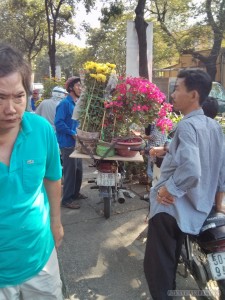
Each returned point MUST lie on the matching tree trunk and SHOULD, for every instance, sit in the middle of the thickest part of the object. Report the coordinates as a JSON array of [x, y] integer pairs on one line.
[[210, 61], [51, 53], [210, 65], [50, 9], [141, 27]]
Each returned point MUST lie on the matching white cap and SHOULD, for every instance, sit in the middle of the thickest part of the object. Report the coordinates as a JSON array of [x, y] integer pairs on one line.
[[59, 93]]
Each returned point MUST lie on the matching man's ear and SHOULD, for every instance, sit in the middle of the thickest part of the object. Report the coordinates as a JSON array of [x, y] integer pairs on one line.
[[195, 96]]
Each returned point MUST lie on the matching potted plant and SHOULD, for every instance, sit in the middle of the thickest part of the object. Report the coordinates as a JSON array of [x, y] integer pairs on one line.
[[137, 101], [91, 110]]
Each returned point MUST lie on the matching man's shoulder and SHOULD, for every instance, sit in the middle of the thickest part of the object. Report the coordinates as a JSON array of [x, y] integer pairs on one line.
[[64, 102]]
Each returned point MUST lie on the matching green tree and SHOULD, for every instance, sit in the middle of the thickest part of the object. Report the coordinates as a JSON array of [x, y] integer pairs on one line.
[[59, 20], [23, 25], [141, 27], [108, 43], [69, 57], [211, 23], [57, 12], [116, 8]]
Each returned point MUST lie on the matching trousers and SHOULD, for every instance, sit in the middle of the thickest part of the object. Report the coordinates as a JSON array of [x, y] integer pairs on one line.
[[46, 285], [163, 249], [73, 173]]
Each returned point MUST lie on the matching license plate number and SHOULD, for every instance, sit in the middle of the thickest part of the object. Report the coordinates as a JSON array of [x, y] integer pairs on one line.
[[217, 265], [106, 179]]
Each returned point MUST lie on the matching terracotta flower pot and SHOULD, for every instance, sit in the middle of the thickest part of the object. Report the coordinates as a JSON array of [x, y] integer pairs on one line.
[[123, 144]]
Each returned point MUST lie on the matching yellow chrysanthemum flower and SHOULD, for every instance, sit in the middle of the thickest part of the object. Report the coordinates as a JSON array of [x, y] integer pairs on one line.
[[99, 71], [93, 75], [112, 66], [101, 78]]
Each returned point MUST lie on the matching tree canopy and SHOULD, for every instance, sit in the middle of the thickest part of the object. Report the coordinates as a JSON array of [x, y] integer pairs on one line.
[[179, 26]]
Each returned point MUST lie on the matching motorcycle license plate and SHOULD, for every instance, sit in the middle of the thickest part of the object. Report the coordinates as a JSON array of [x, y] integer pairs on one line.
[[106, 179], [217, 265]]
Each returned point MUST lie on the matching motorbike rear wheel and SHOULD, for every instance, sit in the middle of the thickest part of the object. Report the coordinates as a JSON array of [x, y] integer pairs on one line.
[[107, 199], [107, 207], [221, 285]]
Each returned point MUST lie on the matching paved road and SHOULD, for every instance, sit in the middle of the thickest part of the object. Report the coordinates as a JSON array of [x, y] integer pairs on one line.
[[103, 259]]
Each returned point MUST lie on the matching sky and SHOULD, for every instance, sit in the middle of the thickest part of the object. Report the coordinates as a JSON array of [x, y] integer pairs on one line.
[[91, 19]]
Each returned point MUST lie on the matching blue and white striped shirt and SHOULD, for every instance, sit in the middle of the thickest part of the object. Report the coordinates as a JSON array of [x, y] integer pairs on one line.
[[190, 171]]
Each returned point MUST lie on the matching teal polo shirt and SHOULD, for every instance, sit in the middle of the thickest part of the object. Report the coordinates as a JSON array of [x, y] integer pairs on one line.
[[26, 241]]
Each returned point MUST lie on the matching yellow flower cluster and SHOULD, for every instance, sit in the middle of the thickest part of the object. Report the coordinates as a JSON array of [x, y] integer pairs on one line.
[[99, 77], [99, 71]]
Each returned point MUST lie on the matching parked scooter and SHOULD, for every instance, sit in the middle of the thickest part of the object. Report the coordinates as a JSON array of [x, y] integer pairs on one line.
[[203, 256], [109, 182]]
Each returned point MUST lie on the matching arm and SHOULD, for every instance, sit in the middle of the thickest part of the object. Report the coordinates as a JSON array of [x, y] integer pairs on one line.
[[221, 187], [158, 151], [53, 189], [185, 160], [61, 116]]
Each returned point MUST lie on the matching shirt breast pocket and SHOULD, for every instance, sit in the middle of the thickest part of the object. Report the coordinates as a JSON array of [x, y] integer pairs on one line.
[[33, 173]]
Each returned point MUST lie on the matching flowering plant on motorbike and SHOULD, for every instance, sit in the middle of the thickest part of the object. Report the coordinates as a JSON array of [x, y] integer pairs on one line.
[[91, 106], [137, 100]]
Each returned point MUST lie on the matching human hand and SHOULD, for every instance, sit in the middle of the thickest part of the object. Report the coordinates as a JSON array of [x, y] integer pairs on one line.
[[142, 152], [58, 232], [157, 151], [164, 197], [135, 132]]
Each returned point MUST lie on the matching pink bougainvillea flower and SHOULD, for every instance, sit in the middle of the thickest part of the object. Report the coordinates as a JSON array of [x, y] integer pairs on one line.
[[137, 100]]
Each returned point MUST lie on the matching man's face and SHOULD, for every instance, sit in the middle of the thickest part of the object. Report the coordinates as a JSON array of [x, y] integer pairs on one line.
[[77, 89], [182, 98], [35, 95], [12, 101]]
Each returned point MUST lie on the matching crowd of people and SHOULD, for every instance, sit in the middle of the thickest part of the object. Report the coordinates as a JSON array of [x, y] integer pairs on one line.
[[30, 214]]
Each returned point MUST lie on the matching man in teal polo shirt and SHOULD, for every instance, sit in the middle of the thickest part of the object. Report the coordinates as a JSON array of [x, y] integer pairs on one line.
[[30, 190]]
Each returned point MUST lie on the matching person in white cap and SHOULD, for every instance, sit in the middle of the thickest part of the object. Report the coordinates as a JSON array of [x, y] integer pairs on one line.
[[47, 107]]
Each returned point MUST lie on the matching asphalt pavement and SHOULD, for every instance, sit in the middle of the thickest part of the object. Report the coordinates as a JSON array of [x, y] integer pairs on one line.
[[103, 258]]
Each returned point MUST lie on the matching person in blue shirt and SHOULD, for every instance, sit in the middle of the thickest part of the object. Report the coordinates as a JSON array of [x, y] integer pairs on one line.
[[66, 135], [190, 175], [35, 97], [30, 189]]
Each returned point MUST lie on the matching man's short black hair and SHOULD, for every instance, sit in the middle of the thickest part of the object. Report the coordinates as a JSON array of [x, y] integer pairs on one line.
[[210, 107], [197, 79]]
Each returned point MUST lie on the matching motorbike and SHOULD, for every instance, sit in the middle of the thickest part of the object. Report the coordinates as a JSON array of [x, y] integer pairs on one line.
[[110, 177], [109, 183], [203, 255]]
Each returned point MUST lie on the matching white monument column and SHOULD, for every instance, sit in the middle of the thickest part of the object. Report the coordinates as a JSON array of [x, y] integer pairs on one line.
[[132, 50]]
